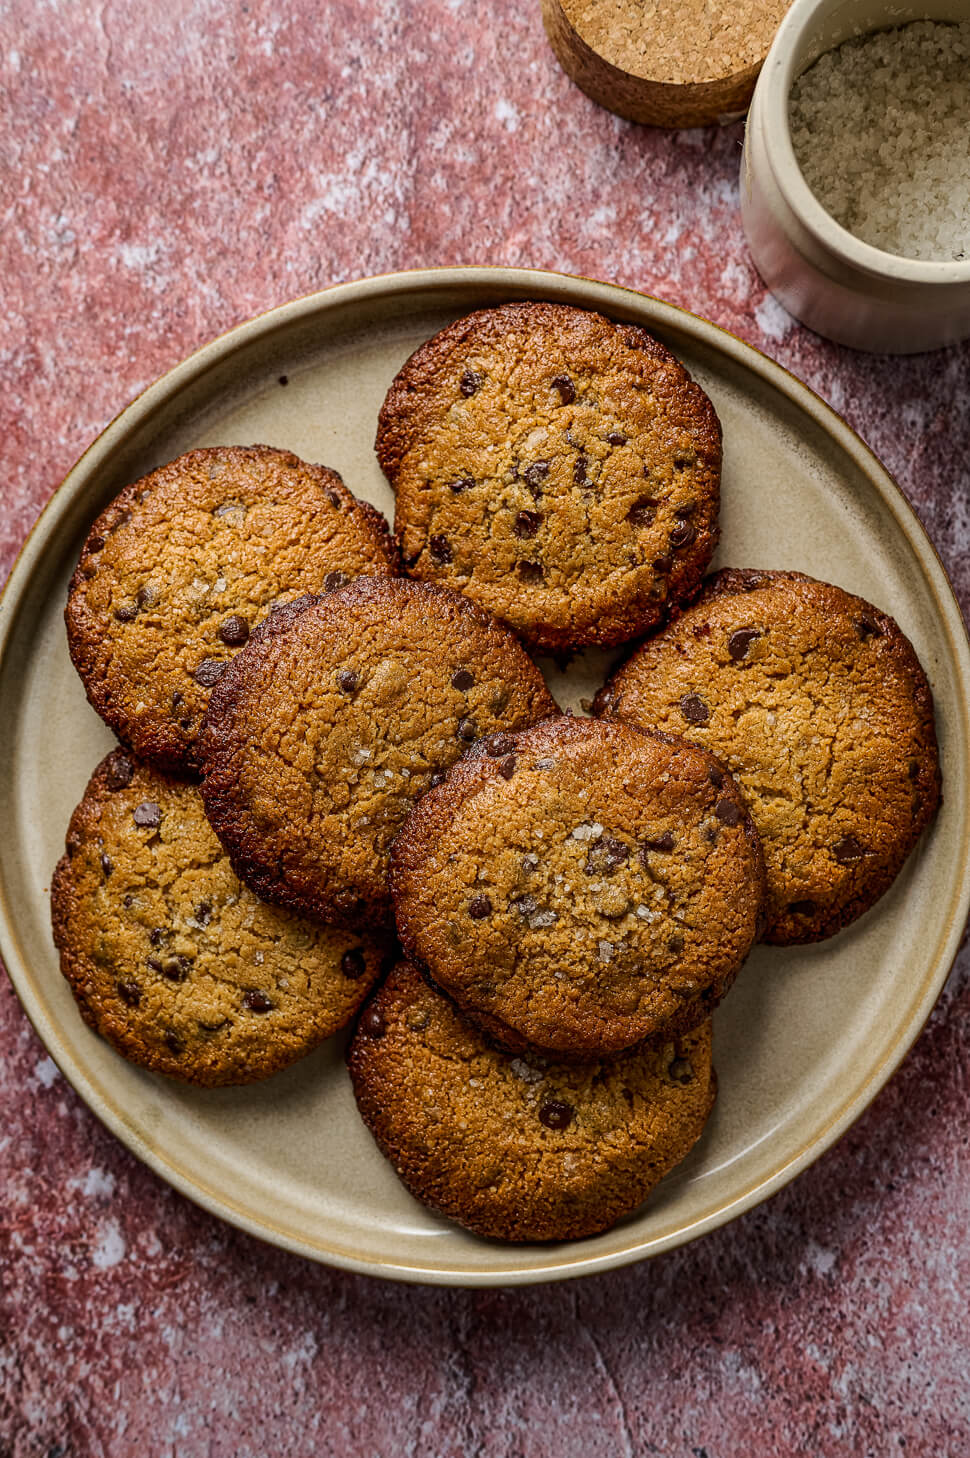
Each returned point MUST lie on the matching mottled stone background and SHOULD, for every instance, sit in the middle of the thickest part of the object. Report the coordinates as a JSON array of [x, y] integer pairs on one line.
[[167, 170]]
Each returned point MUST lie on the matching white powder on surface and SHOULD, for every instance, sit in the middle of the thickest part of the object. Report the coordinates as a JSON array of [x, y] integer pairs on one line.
[[881, 131]]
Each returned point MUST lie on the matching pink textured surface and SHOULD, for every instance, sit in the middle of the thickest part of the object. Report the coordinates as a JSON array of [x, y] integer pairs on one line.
[[169, 170]]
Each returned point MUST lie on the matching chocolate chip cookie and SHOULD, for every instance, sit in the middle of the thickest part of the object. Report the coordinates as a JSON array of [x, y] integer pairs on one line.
[[340, 712], [561, 469], [580, 887], [818, 705], [173, 961], [519, 1148], [180, 568]]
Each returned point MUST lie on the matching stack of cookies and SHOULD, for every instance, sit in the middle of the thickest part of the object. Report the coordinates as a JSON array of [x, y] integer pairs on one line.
[[344, 790]]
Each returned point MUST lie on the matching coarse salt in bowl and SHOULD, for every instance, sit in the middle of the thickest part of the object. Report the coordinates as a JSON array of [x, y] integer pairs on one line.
[[860, 287]]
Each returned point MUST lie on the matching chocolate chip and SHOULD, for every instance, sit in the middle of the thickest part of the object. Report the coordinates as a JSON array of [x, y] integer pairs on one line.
[[209, 670], [727, 811], [334, 500], [106, 865], [681, 1070], [606, 856], [257, 1002], [694, 709], [498, 744], [682, 462], [372, 1023], [347, 681], [479, 908], [616, 438], [682, 535], [530, 572], [507, 767], [130, 993], [662, 564], [566, 388], [127, 613], [556, 1115], [470, 381], [96, 543], [643, 512], [867, 628], [675, 945], [580, 473], [462, 680], [534, 475], [177, 969], [156, 936], [467, 729], [802, 908], [716, 776], [173, 1043], [333, 580], [154, 963], [849, 849], [436, 779], [439, 550], [353, 964], [740, 642], [463, 483], [664, 843], [914, 769], [147, 814], [686, 509], [527, 524], [203, 913], [148, 595], [177, 701], [234, 631], [119, 772]]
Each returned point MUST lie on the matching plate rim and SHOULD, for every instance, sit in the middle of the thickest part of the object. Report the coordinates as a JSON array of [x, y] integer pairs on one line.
[[586, 293]]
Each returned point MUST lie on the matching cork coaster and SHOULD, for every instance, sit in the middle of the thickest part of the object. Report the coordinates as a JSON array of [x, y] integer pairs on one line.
[[667, 63]]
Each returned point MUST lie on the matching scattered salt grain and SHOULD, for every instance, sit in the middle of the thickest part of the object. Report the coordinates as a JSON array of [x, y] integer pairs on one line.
[[522, 1070], [881, 132], [587, 832]]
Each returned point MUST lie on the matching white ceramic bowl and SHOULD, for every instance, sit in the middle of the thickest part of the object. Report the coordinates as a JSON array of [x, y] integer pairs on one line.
[[839, 286]]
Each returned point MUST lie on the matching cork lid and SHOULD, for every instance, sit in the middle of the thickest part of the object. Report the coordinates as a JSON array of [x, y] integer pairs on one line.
[[672, 63]]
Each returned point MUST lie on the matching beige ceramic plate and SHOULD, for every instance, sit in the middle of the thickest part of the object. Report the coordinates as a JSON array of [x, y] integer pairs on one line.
[[808, 1035]]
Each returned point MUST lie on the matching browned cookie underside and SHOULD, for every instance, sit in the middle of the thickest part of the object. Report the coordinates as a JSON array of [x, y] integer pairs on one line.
[[520, 1148], [818, 705], [184, 564], [338, 715], [559, 468], [174, 961], [581, 886]]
